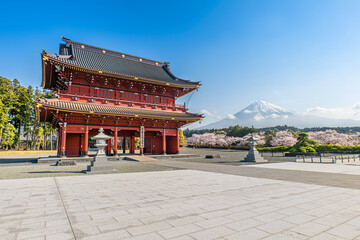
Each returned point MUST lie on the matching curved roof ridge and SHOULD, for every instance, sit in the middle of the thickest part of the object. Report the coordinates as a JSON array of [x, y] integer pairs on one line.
[[132, 57]]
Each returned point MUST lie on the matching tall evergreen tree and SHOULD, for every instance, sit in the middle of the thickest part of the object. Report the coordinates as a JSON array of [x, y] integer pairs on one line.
[[22, 108]]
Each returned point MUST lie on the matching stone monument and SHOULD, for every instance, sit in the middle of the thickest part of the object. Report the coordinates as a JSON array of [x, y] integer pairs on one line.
[[253, 154], [100, 163]]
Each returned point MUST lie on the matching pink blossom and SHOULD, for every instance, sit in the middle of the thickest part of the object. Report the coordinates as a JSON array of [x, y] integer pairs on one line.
[[213, 139], [283, 138], [333, 137], [259, 137]]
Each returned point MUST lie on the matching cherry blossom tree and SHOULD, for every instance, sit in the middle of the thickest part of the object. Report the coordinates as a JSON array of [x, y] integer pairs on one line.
[[333, 137], [282, 138], [259, 137], [213, 139]]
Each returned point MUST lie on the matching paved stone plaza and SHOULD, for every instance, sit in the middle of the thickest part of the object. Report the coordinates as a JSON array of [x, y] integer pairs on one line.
[[182, 204]]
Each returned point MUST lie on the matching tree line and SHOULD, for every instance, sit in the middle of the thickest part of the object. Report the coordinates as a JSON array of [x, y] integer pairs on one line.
[[19, 128], [239, 131]]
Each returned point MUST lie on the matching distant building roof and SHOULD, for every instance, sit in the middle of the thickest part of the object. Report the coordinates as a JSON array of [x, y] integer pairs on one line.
[[102, 60]]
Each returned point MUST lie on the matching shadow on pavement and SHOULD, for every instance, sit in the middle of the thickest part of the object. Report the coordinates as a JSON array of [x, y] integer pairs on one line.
[[55, 172], [18, 160]]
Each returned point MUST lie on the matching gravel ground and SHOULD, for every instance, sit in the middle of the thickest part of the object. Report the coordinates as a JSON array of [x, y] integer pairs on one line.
[[49, 170], [227, 156]]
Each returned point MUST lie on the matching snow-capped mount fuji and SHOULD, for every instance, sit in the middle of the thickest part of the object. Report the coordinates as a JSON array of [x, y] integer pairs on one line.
[[261, 114], [260, 110]]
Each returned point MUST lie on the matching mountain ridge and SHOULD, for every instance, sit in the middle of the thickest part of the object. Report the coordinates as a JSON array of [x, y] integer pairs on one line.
[[260, 114]]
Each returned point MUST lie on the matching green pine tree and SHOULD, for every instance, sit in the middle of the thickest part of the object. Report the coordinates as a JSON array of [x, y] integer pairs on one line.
[[8, 136]]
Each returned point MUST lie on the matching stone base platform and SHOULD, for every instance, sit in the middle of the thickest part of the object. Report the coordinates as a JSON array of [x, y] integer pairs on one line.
[[100, 165], [254, 157]]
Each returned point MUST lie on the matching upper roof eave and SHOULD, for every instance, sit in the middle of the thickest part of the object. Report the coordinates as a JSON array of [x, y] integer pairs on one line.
[[130, 77]]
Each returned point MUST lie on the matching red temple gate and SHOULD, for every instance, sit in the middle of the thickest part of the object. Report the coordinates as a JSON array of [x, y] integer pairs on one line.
[[121, 93]]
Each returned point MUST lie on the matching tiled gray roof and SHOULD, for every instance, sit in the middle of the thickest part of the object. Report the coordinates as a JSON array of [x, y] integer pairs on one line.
[[114, 62]]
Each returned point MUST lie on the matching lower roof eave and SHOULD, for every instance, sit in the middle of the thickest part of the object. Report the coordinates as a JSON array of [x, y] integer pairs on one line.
[[188, 120]]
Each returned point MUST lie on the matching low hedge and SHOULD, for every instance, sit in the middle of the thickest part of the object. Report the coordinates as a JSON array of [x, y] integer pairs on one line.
[[285, 148], [325, 148]]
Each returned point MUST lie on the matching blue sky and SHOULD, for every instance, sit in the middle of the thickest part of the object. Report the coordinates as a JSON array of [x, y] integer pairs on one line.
[[302, 55]]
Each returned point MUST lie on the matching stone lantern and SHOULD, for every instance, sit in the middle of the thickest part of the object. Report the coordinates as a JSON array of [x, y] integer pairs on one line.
[[101, 142], [253, 154], [100, 163]]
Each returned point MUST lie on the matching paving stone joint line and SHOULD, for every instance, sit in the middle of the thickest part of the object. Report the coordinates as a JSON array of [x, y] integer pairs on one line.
[[67, 215]]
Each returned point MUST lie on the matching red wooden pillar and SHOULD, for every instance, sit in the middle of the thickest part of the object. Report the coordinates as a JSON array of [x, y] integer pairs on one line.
[[63, 139], [86, 140], [177, 141], [124, 145], [164, 142], [115, 140]]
